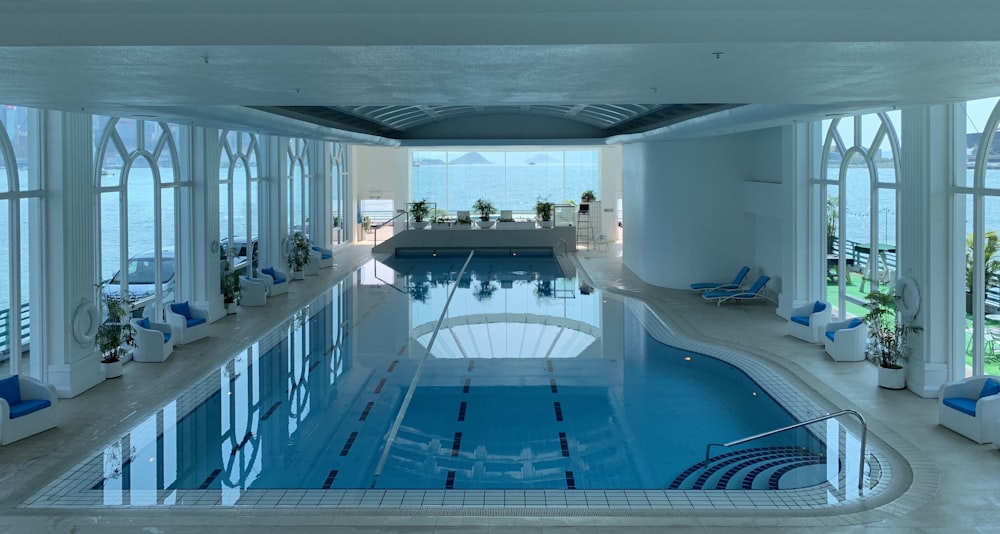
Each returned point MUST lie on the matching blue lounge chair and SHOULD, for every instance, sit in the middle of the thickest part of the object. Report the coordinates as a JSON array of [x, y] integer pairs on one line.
[[735, 284], [719, 296]]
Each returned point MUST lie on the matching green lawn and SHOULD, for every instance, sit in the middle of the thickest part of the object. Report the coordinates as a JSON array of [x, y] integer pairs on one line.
[[856, 310]]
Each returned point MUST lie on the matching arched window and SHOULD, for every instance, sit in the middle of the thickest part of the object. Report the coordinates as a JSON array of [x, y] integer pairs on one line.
[[238, 198], [136, 169], [339, 179], [858, 190], [978, 194], [298, 186], [20, 203]]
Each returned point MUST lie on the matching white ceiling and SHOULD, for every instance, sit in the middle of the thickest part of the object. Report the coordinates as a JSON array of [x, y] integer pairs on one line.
[[204, 61]]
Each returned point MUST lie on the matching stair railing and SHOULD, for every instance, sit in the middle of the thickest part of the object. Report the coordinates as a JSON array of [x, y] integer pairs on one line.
[[864, 436], [375, 227]]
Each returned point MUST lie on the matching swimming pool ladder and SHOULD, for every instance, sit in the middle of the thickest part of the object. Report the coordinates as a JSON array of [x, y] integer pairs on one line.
[[864, 436]]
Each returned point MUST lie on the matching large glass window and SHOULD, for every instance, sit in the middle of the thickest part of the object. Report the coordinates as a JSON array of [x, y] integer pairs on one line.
[[298, 186], [138, 200], [20, 194], [238, 207], [978, 196], [858, 192], [339, 178], [510, 179]]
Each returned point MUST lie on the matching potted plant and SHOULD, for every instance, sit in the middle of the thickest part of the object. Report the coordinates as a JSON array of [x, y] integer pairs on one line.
[[991, 264], [485, 290], [887, 333], [543, 210], [463, 221], [419, 210], [588, 196], [298, 254], [485, 209], [115, 336], [229, 283], [831, 222]]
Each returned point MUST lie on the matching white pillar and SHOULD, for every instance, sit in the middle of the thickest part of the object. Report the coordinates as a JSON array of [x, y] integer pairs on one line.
[[803, 243], [273, 211], [70, 255], [933, 151], [204, 234]]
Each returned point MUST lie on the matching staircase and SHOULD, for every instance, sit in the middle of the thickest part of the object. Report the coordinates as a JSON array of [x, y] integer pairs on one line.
[[755, 469]]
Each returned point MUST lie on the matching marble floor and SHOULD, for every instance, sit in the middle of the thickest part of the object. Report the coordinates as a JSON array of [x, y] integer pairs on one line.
[[952, 486]]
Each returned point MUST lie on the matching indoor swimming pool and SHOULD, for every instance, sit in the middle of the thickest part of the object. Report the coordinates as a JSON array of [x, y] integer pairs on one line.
[[530, 382]]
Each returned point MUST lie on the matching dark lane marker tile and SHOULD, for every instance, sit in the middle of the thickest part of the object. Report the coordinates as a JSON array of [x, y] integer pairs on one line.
[[392, 366], [378, 388], [570, 482], [347, 446], [330, 478], [211, 478], [472, 363], [450, 482], [456, 444], [465, 389], [461, 410], [558, 407], [270, 411], [364, 414], [548, 364], [552, 382], [564, 444]]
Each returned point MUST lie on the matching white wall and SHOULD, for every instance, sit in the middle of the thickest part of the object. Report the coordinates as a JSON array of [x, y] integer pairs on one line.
[[684, 208], [381, 171]]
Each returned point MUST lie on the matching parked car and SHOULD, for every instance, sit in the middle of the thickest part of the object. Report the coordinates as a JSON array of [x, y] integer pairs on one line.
[[240, 246], [141, 270]]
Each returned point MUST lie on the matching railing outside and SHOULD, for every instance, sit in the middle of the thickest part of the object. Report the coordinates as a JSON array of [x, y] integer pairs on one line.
[[5, 320]]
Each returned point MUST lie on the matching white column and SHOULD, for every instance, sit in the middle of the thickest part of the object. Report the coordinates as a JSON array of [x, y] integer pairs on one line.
[[70, 255], [319, 194], [803, 277], [273, 206], [204, 235], [932, 153]]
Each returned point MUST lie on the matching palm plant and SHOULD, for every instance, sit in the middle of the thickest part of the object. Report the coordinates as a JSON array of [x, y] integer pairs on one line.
[[887, 333], [484, 208]]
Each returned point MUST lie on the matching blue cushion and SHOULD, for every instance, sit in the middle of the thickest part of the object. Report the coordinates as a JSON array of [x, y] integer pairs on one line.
[[268, 271], [10, 390], [28, 406], [166, 337], [144, 322], [990, 387], [962, 404], [279, 279], [181, 308], [195, 321], [799, 319], [818, 307], [854, 322], [830, 334]]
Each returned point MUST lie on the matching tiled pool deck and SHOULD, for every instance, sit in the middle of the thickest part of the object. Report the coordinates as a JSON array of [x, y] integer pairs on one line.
[[899, 494]]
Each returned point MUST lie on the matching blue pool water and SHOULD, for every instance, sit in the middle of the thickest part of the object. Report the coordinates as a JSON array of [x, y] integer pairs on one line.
[[534, 381]]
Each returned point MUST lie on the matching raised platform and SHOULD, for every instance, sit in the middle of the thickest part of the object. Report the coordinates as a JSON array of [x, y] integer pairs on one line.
[[559, 240]]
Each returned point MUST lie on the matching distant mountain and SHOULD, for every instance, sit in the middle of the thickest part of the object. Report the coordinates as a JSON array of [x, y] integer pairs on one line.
[[541, 158], [472, 158]]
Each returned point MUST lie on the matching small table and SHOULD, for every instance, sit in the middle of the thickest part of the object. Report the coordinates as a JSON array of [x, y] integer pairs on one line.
[[833, 267]]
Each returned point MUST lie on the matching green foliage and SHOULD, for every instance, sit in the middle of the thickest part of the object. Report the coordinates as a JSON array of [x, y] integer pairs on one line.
[[832, 216], [887, 333], [543, 209], [484, 208], [116, 333], [419, 209], [588, 196], [991, 265], [298, 251], [229, 282]]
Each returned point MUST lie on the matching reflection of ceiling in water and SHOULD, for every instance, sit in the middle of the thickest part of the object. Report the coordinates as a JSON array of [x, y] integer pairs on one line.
[[507, 335]]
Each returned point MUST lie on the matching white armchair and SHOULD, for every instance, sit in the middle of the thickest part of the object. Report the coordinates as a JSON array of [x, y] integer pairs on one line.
[[809, 322], [27, 406], [312, 268], [276, 281], [154, 342], [325, 256], [971, 407], [845, 341], [253, 291], [189, 323]]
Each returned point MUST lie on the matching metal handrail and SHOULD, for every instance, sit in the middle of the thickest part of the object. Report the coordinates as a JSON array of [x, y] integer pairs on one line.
[[864, 436], [376, 227]]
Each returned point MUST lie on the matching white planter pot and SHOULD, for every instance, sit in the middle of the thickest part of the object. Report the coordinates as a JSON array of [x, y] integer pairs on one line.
[[232, 308], [112, 370], [891, 378], [420, 225], [545, 224], [506, 225], [484, 225], [298, 275]]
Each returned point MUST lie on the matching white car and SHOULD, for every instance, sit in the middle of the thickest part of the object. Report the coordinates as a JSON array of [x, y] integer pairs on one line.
[[141, 270]]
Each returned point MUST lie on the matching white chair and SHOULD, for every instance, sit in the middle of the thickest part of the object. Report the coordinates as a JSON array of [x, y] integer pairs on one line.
[[506, 215], [276, 281], [188, 322], [809, 322], [154, 342], [253, 291], [325, 257], [845, 341], [312, 268], [971, 407], [27, 406]]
